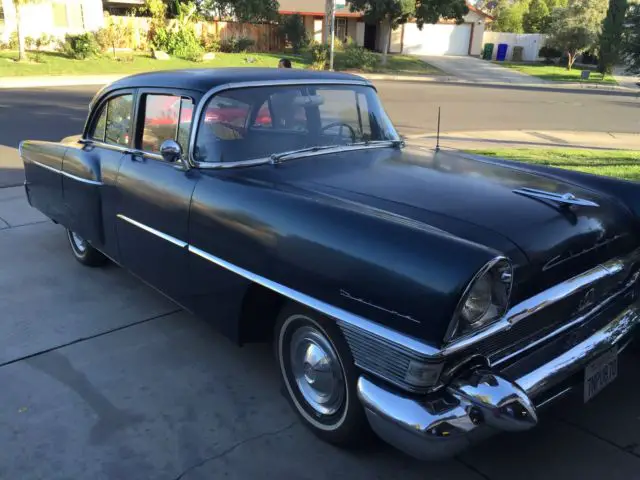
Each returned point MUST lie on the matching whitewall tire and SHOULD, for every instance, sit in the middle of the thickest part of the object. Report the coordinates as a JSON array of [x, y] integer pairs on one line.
[[319, 376], [84, 252]]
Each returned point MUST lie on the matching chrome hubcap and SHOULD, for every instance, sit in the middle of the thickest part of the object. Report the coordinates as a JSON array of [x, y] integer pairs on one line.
[[79, 242], [317, 372]]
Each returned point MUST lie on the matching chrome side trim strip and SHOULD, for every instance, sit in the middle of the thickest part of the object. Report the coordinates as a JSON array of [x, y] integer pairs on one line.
[[153, 231], [421, 349], [66, 174]]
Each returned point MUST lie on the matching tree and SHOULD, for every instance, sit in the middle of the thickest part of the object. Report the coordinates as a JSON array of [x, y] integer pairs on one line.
[[293, 29], [509, 16], [536, 20], [630, 49], [393, 13], [22, 47], [242, 10], [577, 27], [611, 37]]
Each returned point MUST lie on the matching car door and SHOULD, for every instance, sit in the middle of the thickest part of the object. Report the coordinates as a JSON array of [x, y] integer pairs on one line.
[[107, 137], [155, 195]]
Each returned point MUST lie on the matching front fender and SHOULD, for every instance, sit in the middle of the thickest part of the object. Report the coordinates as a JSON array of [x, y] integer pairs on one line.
[[389, 269]]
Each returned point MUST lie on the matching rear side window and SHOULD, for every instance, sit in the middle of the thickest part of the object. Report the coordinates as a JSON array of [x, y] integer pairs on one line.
[[166, 117], [114, 123]]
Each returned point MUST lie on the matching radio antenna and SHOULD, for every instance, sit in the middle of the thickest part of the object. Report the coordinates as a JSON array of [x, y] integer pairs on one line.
[[438, 133]]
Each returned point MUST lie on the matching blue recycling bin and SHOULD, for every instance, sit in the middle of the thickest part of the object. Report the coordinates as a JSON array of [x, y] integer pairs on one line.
[[502, 52]]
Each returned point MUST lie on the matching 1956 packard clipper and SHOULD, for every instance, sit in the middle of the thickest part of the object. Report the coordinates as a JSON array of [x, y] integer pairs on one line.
[[433, 297]]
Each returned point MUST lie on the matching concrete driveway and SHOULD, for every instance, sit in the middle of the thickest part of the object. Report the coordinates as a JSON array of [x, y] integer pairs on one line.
[[103, 378], [479, 71]]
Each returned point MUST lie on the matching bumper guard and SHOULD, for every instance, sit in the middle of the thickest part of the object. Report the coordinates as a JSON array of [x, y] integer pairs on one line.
[[476, 406]]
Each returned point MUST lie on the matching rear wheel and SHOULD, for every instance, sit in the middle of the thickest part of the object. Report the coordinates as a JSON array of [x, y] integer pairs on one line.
[[84, 252], [319, 376]]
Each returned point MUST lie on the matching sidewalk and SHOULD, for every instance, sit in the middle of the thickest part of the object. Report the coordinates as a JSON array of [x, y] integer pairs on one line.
[[63, 81], [531, 139]]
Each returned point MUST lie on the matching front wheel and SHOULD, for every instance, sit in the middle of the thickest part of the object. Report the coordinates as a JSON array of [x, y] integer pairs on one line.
[[319, 376], [84, 252]]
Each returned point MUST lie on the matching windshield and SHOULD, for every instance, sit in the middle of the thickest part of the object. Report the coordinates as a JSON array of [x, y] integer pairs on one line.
[[252, 123]]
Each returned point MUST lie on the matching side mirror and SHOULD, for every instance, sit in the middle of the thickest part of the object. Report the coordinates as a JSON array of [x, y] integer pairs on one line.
[[171, 151]]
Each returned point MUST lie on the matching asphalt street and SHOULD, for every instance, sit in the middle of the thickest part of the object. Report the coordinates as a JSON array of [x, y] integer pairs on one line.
[[53, 113], [103, 378]]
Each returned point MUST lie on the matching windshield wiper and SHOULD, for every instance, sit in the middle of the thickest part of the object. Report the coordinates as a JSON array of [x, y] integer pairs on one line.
[[390, 143], [280, 157], [277, 158]]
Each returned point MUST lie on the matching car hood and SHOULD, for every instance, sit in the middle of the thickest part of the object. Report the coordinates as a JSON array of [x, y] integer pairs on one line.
[[475, 199]]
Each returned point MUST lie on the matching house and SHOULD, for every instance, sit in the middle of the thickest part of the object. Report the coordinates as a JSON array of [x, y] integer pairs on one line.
[[53, 17], [443, 38]]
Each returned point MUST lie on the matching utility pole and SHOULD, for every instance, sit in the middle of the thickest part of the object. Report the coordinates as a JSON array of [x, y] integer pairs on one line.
[[330, 19]]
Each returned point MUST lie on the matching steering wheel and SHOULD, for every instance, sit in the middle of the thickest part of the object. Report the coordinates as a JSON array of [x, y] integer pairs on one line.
[[341, 125]]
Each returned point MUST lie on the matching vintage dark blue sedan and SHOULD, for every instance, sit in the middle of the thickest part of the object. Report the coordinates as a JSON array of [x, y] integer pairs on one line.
[[431, 296]]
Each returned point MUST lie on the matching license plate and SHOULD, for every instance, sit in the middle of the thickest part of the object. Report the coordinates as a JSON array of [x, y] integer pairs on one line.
[[600, 373]]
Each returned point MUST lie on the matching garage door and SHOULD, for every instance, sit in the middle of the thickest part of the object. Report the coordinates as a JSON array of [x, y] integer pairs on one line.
[[440, 39]]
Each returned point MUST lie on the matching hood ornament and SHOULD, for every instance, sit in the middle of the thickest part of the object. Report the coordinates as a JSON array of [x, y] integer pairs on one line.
[[563, 198]]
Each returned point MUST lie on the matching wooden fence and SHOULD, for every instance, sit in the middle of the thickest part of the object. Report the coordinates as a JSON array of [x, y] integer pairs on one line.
[[265, 36]]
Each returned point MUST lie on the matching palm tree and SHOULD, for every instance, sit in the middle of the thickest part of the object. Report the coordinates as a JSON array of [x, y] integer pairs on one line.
[[22, 49]]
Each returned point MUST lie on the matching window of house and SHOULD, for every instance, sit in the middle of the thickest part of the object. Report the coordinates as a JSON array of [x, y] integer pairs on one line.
[[114, 123], [341, 29], [60, 19], [75, 15], [166, 117]]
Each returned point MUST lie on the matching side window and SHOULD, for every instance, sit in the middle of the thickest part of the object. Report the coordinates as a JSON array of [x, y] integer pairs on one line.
[[114, 123], [100, 127], [166, 117], [118, 127], [342, 108]]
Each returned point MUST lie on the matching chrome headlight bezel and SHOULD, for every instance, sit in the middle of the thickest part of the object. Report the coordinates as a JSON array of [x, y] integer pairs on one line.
[[499, 273]]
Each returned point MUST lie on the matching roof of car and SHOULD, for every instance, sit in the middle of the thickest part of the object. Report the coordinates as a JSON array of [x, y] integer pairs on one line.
[[206, 79]]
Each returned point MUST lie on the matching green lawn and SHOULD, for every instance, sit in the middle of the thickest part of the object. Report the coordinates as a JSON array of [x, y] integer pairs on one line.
[[555, 73], [57, 64], [612, 163]]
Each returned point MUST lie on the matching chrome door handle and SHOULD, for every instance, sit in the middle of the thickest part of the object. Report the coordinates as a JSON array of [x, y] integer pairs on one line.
[[136, 155]]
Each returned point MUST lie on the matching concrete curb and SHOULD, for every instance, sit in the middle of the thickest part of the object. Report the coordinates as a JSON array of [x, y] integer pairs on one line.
[[88, 80]]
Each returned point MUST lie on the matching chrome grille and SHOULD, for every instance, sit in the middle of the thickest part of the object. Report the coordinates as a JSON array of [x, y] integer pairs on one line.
[[552, 318], [381, 357]]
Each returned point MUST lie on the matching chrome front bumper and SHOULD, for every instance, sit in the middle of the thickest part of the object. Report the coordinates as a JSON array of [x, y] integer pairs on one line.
[[482, 403]]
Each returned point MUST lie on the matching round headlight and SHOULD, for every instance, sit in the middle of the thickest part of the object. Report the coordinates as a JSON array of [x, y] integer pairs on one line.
[[478, 301], [485, 299]]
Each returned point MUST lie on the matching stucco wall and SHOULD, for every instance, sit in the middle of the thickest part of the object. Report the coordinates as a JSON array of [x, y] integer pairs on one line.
[[478, 22], [531, 42], [73, 16]]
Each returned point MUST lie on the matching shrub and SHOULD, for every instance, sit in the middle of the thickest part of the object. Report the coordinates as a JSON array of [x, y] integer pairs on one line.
[[81, 46], [236, 44], [319, 55], [12, 44], [293, 30], [549, 54], [43, 40], [114, 35], [182, 43], [358, 57], [211, 42]]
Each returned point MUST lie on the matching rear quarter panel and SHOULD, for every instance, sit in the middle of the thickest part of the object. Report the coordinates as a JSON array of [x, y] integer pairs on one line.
[[43, 178]]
